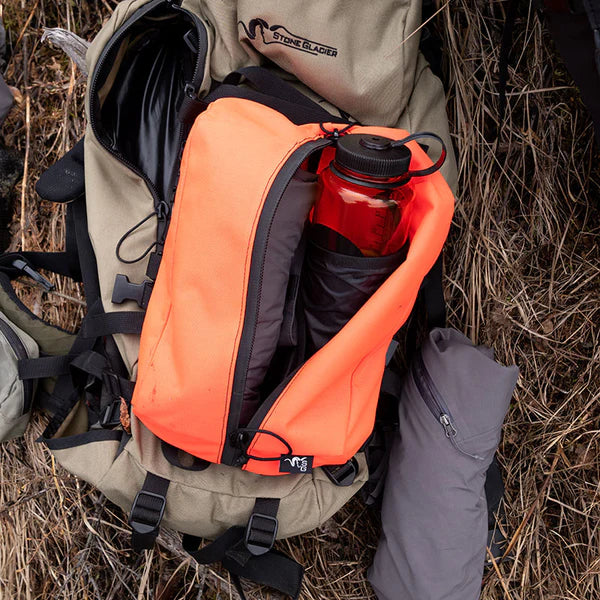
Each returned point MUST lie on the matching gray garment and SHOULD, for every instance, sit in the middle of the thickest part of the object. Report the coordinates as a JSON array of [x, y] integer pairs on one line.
[[434, 512]]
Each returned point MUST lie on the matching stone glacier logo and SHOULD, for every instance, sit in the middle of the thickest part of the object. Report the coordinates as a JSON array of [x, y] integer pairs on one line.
[[278, 34], [298, 462]]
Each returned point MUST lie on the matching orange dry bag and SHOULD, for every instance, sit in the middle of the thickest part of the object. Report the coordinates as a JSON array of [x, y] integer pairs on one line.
[[229, 368]]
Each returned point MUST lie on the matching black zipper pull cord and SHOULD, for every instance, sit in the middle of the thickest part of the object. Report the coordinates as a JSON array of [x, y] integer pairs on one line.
[[162, 213], [240, 439]]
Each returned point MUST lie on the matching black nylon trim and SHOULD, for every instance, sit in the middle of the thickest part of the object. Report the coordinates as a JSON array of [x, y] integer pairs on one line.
[[10, 292], [89, 437]]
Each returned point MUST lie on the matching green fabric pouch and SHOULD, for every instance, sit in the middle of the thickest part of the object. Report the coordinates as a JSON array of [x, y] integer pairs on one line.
[[16, 395]]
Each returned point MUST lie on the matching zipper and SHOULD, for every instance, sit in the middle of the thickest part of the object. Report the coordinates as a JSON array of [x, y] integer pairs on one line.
[[193, 85], [14, 341], [232, 454], [434, 401]]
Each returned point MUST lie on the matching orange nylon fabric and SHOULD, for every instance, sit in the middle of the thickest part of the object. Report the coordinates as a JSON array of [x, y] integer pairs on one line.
[[334, 395], [195, 316], [192, 330]]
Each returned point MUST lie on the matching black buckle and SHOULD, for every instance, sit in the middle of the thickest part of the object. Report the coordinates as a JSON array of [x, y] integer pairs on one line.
[[261, 532], [125, 290], [113, 393], [111, 417], [342, 475], [148, 522]]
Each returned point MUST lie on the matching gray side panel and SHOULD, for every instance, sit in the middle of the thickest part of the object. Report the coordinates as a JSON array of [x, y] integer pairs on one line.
[[284, 239]]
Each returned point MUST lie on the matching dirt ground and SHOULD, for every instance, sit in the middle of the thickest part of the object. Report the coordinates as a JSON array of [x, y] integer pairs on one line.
[[522, 275]]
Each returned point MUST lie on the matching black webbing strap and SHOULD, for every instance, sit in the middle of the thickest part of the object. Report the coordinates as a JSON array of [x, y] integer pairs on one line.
[[71, 249], [87, 258], [271, 91], [432, 295], [95, 326], [116, 390], [147, 512], [430, 301], [267, 82], [90, 363], [391, 384], [65, 395], [237, 551], [45, 366]]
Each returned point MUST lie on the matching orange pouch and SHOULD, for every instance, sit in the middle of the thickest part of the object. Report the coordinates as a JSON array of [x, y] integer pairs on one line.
[[219, 315]]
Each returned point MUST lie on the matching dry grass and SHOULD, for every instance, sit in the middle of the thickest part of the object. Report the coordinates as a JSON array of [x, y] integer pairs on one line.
[[522, 267]]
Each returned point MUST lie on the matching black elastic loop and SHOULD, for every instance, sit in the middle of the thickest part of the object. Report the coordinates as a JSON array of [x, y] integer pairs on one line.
[[438, 163], [156, 213], [266, 432]]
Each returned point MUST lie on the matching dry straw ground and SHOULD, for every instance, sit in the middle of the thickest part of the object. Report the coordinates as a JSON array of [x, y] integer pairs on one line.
[[522, 274]]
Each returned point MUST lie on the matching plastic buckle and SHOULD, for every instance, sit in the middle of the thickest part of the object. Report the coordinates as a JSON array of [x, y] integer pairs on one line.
[[148, 525], [111, 417], [342, 475], [125, 290], [261, 526]]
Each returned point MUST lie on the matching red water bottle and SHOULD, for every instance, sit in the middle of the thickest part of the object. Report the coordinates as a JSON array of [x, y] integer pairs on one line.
[[362, 196]]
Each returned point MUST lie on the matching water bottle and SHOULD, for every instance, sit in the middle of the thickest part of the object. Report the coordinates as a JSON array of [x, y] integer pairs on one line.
[[362, 196]]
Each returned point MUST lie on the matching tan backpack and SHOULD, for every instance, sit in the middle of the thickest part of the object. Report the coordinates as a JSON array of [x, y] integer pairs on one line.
[[152, 70]]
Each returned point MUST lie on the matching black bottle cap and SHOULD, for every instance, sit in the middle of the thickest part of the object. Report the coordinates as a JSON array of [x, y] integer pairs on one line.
[[372, 155]]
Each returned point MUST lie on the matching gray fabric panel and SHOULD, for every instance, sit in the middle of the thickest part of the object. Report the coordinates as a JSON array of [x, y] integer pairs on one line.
[[286, 231], [12, 398], [434, 509], [335, 286]]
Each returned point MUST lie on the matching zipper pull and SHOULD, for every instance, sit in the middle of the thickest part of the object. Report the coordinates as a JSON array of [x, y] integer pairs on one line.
[[20, 264], [449, 428]]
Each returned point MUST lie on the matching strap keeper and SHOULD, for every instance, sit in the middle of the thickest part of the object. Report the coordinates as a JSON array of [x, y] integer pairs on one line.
[[261, 532], [342, 475], [147, 511], [111, 416], [145, 517]]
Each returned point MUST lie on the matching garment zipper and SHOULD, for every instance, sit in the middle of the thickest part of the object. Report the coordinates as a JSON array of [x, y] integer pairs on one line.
[[193, 85], [232, 454], [434, 401], [14, 341]]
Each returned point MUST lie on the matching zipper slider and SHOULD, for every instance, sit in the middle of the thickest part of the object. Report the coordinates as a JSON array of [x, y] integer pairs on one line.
[[449, 428], [21, 265]]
